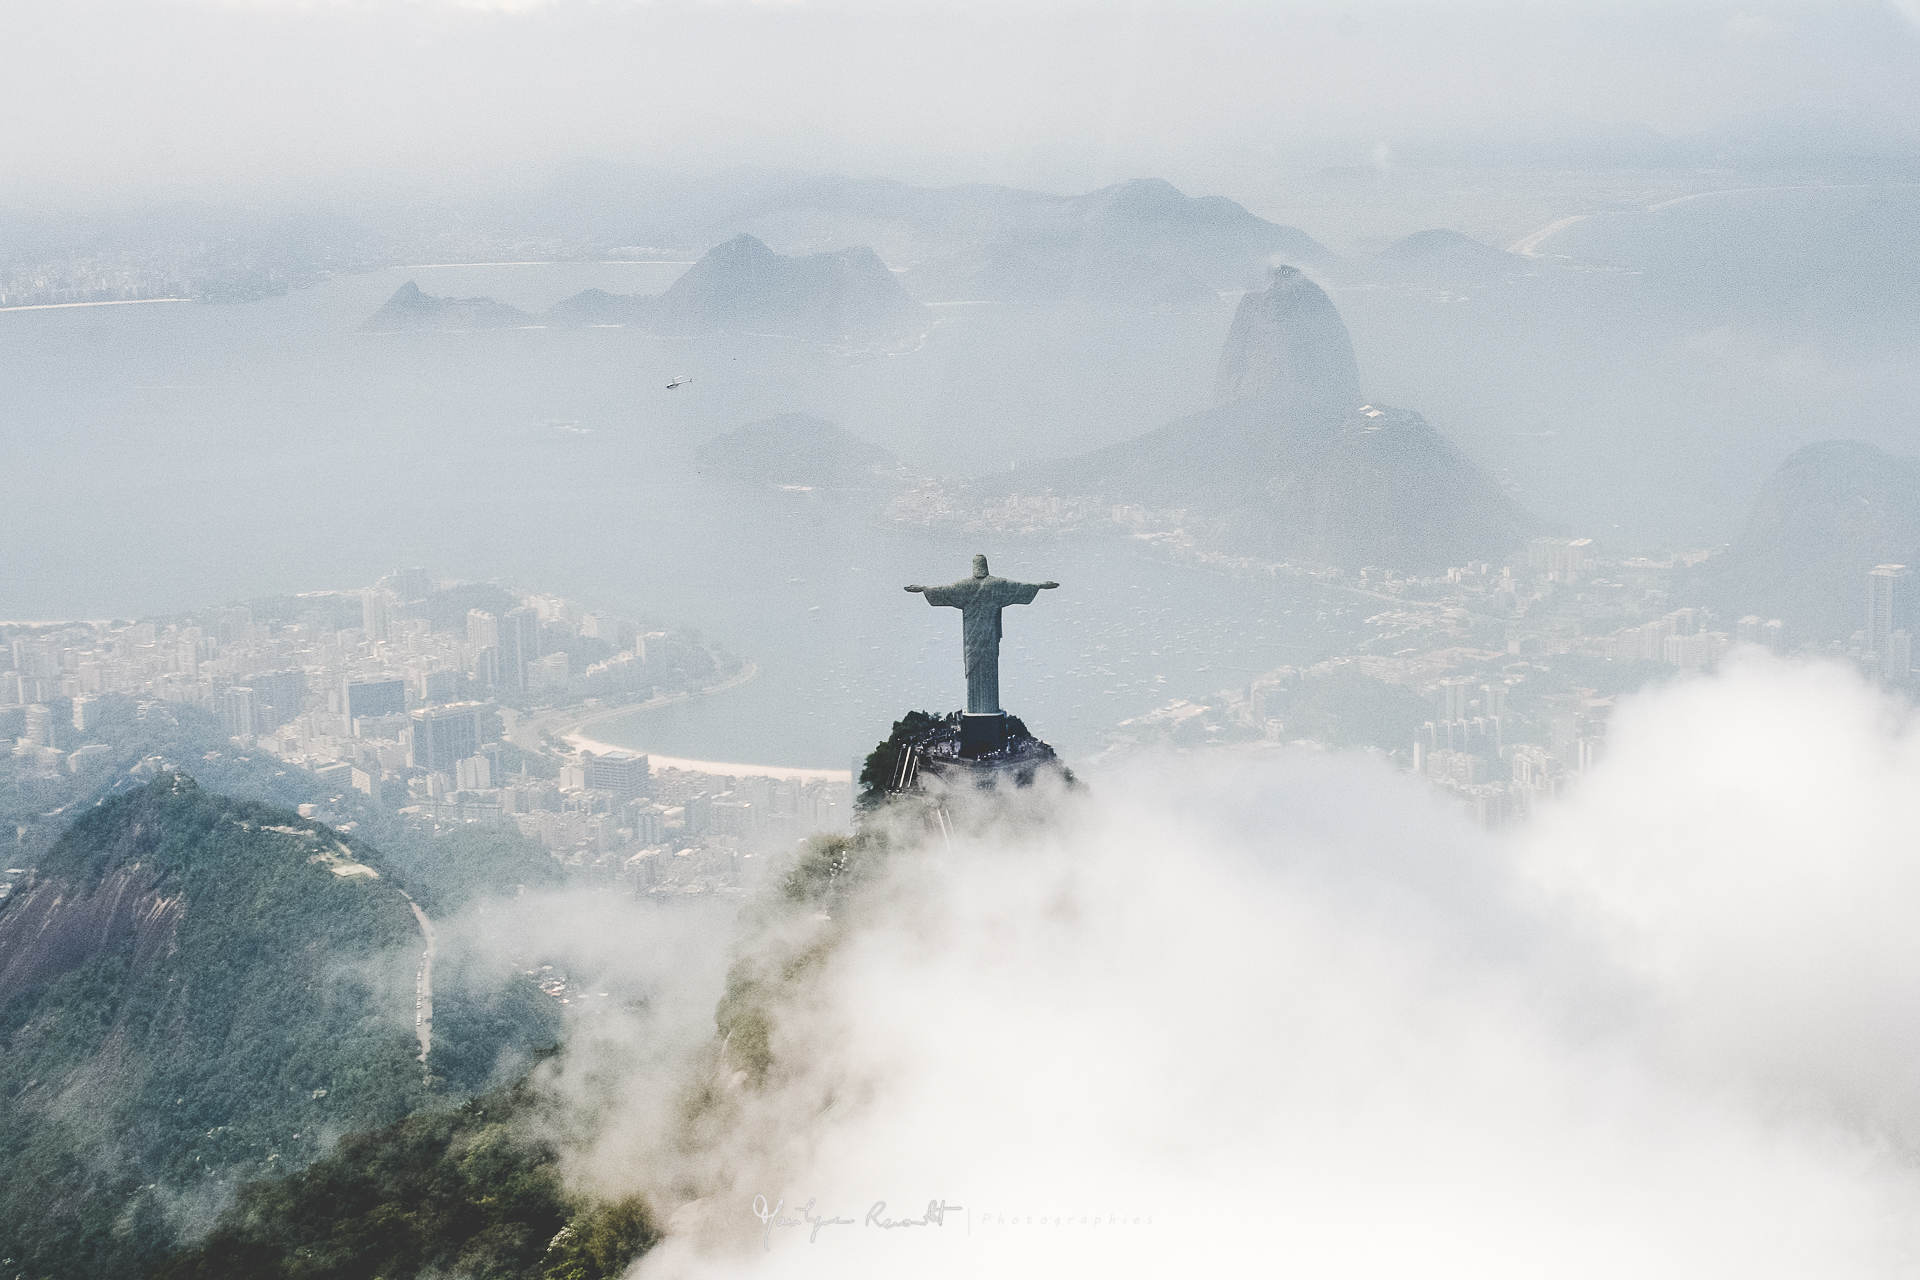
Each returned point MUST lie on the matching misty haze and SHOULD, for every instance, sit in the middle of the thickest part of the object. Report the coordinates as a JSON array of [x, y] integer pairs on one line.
[[701, 639]]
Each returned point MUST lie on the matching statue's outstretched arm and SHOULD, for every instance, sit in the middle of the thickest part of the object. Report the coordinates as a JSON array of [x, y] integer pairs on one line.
[[1048, 586], [916, 587]]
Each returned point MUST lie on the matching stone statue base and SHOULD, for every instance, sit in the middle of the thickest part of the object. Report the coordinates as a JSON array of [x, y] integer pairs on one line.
[[982, 733], [984, 750]]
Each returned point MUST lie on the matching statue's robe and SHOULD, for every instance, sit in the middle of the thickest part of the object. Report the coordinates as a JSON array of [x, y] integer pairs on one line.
[[980, 601]]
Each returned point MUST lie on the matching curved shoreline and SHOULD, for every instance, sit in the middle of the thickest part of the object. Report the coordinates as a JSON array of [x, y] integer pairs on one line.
[[572, 731], [110, 302], [719, 768]]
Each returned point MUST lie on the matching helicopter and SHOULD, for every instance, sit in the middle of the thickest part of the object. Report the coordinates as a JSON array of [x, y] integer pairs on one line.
[[679, 380]]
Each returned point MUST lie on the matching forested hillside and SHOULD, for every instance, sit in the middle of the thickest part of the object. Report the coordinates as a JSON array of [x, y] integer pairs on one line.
[[195, 991], [468, 1193]]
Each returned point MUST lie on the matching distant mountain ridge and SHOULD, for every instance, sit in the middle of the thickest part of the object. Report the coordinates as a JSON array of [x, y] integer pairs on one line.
[[1141, 244], [1136, 243], [1291, 464], [409, 308], [742, 286], [1827, 515]]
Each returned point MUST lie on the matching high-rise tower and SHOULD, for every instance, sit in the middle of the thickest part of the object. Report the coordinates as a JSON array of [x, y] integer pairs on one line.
[[1886, 601], [519, 645]]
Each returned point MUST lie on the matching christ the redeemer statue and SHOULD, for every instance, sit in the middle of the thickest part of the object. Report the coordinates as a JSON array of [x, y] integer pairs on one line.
[[979, 600]]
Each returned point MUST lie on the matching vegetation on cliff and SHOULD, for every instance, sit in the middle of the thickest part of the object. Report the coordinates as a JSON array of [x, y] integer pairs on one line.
[[876, 774], [471, 1193]]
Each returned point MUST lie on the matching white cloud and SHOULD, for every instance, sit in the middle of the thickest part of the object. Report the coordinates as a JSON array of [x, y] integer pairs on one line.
[[1754, 850], [1309, 1024]]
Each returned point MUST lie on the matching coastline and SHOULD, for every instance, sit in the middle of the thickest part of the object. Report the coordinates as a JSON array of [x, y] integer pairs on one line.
[[111, 302], [719, 768], [570, 727]]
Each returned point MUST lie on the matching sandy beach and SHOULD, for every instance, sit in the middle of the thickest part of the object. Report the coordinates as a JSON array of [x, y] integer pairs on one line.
[[65, 306], [570, 728], [580, 742]]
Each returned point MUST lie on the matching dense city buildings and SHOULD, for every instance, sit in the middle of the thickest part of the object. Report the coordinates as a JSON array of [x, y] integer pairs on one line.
[[683, 831], [619, 773], [1494, 681], [1887, 599], [442, 737], [519, 640], [428, 711], [371, 698], [1503, 675]]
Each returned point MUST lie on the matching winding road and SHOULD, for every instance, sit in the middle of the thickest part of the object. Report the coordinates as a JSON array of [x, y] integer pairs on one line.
[[423, 982]]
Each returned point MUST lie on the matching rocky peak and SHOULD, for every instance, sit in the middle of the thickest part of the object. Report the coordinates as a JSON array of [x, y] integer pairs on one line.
[[744, 285], [742, 248], [1289, 346]]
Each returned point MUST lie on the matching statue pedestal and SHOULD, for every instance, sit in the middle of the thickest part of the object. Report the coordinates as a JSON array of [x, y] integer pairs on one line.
[[982, 734], [974, 752]]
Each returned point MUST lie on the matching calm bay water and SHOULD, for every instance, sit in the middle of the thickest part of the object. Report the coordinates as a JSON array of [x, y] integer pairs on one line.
[[166, 457]]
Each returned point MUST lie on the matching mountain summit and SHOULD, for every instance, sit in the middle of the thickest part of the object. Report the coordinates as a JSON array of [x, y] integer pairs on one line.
[[409, 308], [1290, 464], [743, 286], [1289, 347], [1139, 243]]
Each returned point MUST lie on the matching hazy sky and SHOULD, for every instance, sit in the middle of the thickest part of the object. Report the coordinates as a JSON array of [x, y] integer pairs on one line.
[[170, 98]]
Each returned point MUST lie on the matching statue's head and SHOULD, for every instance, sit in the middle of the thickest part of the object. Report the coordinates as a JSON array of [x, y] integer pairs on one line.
[[979, 566]]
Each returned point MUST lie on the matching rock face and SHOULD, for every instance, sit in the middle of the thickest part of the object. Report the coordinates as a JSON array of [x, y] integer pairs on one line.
[[410, 309], [1291, 465], [185, 989], [1831, 512], [795, 450], [1289, 348], [744, 287]]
